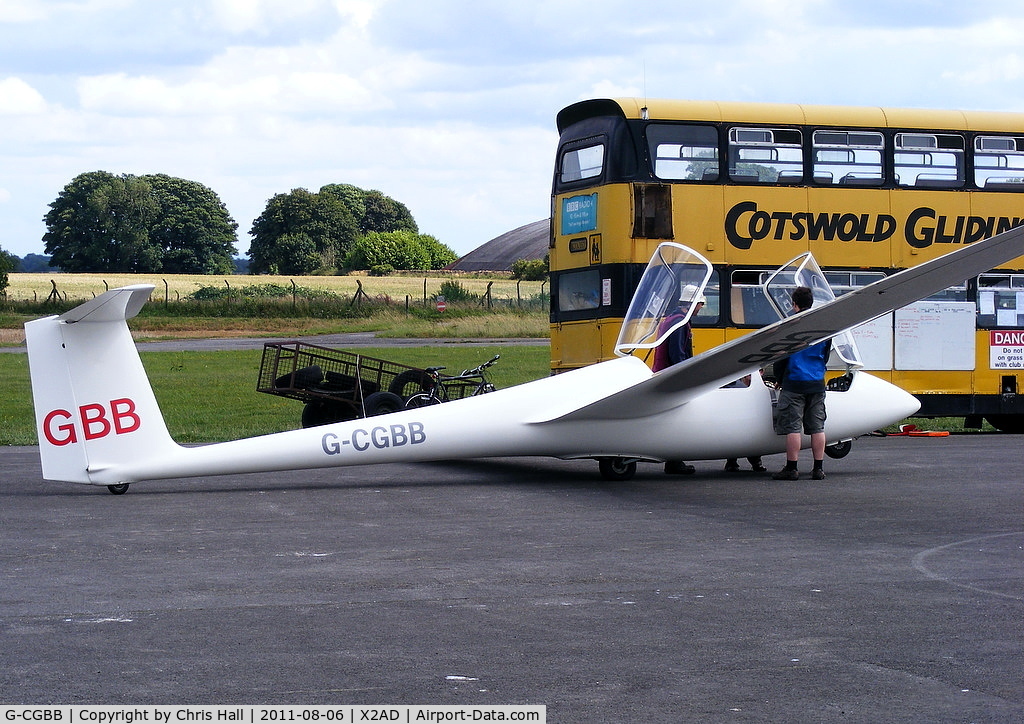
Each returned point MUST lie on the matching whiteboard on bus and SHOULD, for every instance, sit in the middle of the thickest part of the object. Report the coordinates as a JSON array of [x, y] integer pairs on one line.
[[874, 340], [935, 336]]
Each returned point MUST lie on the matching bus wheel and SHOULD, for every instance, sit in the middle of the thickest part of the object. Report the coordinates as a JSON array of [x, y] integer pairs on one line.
[[1007, 423], [840, 449], [119, 489], [616, 469]]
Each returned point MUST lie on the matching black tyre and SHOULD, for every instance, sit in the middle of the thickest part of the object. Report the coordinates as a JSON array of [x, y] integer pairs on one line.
[[303, 378], [616, 468], [409, 383], [423, 399], [322, 412], [382, 403], [840, 449], [1007, 423], [118, 489]]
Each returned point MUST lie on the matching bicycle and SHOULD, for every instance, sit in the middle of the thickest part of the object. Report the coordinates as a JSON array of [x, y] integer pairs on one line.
[[437, 388]]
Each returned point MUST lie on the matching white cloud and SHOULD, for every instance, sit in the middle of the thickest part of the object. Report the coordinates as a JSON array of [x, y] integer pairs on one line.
[[26, 11], [261, 16], [281, 93], [21, 11], [18, 97]]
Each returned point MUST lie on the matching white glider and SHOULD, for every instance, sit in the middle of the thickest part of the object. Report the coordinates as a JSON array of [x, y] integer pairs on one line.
[[99, 423]]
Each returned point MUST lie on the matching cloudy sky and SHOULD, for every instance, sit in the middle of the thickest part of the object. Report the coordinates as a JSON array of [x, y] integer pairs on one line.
[[445, 105]]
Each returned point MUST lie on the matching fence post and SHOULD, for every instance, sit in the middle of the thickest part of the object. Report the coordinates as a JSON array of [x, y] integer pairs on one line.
[[359, 295]]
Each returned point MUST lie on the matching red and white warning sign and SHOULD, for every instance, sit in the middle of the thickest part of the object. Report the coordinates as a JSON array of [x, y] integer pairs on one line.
[[1006, 349]]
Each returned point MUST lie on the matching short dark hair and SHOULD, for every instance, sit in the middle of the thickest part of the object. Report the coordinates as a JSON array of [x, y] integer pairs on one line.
[[803, 298]]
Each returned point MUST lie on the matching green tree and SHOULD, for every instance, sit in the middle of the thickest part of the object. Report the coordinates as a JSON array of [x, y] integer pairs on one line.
[[352, 196], [322, 219], [298, 254], [440, 255], [383, 213], [372, 210], [8, 263], [100, 222], [530, 270], [398, 250], [193, 227]]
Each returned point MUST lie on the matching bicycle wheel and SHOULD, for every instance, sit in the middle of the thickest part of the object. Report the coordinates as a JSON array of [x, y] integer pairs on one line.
[[423, 399]]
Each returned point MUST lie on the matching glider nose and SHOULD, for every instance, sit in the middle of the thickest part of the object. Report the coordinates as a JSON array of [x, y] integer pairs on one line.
[[887, 402], [903, 403]]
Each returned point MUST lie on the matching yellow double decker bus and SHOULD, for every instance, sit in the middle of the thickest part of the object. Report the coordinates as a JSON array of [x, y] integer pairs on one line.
[[867, 191]]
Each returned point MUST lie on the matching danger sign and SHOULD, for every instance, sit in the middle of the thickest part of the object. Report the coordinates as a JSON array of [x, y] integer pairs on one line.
[[1006, 349]]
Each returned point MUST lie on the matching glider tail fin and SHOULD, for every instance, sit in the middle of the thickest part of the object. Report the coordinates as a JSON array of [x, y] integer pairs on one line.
[[94, 405]]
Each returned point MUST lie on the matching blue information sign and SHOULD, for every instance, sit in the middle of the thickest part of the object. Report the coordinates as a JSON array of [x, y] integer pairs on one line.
[[579, 214]]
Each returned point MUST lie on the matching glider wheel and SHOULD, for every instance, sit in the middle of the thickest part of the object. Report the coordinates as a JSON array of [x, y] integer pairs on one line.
[[840, 449], [616, 469], [119, 489]]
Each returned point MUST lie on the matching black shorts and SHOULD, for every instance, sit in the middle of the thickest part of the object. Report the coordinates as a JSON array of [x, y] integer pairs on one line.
[[798, 410]]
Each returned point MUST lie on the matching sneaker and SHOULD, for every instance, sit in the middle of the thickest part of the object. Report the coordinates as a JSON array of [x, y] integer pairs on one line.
[[731, 466], [786, 474], [678, 467], [818, 474], [757, 466]]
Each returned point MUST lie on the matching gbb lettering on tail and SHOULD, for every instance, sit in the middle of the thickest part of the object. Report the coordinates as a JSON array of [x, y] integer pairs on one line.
[[60, 428]]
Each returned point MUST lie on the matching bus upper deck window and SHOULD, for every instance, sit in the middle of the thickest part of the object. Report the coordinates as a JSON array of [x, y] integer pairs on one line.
[[929, 160], [683, 153], [765, 155], [582, 163], [849, 158], [1000, 300], [999, 163]]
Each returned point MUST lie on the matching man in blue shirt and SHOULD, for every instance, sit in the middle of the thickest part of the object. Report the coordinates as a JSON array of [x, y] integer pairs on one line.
[[802, 399]]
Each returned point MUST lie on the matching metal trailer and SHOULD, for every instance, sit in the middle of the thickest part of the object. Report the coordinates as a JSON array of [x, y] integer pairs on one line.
[[334, 384]]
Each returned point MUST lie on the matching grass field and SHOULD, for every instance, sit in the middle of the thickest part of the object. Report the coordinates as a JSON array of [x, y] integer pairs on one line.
[[517, 309], [397, 287]]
